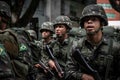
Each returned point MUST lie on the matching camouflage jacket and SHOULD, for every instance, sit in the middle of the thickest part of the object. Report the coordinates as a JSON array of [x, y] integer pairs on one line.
[[5, 64], [43, 56], [61, 52], [24, 60], [97, 57]]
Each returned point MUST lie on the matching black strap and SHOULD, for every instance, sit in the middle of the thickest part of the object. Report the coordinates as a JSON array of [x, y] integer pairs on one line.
[[109, 58]]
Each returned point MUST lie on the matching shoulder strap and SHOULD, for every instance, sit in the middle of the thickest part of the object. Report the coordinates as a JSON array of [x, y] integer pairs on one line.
[[109, 58]]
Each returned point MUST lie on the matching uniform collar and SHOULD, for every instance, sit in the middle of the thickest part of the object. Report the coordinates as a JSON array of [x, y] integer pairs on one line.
[[103, 41]]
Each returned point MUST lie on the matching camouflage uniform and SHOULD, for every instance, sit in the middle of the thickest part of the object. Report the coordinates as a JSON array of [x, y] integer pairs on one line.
[[35, 45], [104, 57], [61, 53], [23, 62], [46, 26], [117, 34], [43, 56], [61, 49], [6, 71]]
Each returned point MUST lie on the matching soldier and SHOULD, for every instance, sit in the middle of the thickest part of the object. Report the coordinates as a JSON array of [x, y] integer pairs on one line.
[[62, 45], [100, 53], [47, 39], [47, 32], [23, 64], [33, 35], [23, 61], [6, 71]]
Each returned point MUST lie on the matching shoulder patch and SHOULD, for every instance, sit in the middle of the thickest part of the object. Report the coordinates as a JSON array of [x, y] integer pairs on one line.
[[22, 47]]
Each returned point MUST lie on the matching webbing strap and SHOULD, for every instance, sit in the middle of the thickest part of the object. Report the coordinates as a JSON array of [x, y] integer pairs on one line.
[[109, 58]]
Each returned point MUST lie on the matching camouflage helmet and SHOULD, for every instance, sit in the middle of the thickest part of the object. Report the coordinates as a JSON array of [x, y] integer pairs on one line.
[[74, 31], [63, 20], [94, 10], [32, 33], [47, 26], [5, 9]]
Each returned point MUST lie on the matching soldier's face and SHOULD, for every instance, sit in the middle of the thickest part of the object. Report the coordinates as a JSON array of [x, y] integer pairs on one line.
[[46, 34], [60, 30], [3, 23], [92, 25]]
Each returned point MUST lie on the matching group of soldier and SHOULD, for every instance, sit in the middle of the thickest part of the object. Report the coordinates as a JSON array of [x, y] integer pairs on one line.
[[59, 56]]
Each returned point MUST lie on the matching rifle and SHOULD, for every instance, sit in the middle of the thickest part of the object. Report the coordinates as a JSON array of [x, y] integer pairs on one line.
[[81, 60], [43, 66], [59, 70]]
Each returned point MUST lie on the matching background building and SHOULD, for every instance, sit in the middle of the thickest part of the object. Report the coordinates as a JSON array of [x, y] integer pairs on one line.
[[48, 10], [112, 14]]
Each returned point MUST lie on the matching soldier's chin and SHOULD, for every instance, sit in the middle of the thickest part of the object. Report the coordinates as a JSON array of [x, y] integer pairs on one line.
[[90, 33]]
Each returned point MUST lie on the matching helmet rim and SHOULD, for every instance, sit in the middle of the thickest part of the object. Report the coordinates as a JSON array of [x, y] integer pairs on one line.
[[102, 19]]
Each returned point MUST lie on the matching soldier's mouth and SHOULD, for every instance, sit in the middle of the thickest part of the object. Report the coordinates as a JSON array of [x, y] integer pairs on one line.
[[90, 27]]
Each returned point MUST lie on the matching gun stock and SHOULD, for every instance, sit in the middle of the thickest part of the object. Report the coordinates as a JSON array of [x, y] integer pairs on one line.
[[80, 59], [59, 70]]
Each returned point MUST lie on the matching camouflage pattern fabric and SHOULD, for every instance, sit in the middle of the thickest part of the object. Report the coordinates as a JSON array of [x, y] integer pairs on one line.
[[10, 41], [97, 58], [5, 66], [47, 26], [63, 20]]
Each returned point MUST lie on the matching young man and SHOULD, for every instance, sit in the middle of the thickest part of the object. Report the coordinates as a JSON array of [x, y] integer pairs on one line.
[[62, 45], [102, 54], [46, 31]]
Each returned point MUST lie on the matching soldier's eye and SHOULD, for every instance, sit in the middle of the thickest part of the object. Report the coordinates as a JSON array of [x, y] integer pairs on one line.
[[90, 18]]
